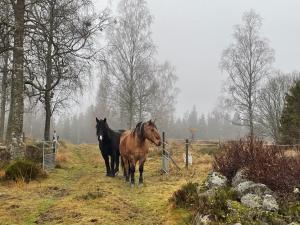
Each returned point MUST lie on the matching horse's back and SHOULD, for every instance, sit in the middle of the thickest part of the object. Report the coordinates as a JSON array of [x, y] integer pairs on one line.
[[123, 141]]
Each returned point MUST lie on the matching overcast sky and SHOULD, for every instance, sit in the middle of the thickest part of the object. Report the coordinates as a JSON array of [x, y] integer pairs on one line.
[[191, 35]]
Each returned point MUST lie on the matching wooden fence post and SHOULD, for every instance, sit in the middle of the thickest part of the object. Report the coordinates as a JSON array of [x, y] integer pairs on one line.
[[164, 143], [186, 153]]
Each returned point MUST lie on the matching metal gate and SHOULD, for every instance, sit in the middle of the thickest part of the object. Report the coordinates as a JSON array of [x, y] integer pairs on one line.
[[49, 153]]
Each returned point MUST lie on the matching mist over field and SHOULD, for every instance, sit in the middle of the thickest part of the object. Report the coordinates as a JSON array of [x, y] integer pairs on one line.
[[179, 74], [149, 112]]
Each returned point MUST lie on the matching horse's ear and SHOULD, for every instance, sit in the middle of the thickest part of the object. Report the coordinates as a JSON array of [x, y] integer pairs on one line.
[[150, 122], [104, 120], [97, 120]]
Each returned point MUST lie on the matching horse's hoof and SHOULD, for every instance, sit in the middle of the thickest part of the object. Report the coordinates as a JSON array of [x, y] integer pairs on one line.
[[141, 185], [132, 185]]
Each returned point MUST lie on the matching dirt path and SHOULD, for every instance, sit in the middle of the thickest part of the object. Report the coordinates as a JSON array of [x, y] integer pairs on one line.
[[79, 193]]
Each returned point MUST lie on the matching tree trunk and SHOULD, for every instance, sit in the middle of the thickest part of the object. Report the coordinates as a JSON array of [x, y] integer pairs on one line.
[[49, 81], [48, 116], [15, 123], [3, 95]]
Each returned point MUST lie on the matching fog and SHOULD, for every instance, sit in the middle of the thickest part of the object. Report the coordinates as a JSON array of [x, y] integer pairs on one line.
[[192, 35], [137, 60]]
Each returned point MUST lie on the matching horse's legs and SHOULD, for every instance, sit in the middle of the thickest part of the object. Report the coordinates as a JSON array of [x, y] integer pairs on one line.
[[126, 169], [112, 164], [117, 162], [132, 171], [141, 169], [106, 160]]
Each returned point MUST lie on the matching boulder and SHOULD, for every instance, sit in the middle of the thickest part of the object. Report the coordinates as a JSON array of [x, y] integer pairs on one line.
[[202, 219], [215, 180], [270, 203], [239, 177], [249, 187], [252, 201]]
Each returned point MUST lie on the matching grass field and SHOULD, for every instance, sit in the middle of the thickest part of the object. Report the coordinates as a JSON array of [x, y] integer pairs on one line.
[[80, 193]]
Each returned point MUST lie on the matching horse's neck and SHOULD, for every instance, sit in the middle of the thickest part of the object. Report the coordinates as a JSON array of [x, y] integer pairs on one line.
[[109, 132], [140, 141]]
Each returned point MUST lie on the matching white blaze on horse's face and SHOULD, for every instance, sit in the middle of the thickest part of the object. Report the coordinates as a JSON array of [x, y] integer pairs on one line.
[[100, 137]]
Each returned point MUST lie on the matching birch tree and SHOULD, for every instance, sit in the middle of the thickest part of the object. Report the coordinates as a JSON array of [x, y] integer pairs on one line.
[[15, 120], [130, 50], [271, 103], [247, 61], [6, 31]]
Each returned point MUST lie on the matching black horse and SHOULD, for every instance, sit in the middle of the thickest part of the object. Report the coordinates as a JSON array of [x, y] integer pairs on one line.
[[109, 141]]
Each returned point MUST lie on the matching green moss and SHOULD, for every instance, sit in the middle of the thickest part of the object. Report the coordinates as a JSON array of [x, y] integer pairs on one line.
[[186, 196], [290, 210], [223, 205]]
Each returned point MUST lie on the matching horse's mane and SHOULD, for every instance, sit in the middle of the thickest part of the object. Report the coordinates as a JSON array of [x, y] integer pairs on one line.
[[139, 131]]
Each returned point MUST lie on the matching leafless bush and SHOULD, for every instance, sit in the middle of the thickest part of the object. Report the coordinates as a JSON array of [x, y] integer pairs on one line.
[[265, 164]]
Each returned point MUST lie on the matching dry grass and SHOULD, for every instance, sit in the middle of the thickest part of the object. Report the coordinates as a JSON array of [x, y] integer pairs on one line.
[[2, 173], [291, 153], [63, 157], [81, 194]]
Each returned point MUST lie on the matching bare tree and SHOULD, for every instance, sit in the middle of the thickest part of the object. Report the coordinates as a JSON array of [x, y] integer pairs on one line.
[[271, 103], [15, 120], [5, 44], [130, 51], [247, 61], [163, 98], [60, 39]]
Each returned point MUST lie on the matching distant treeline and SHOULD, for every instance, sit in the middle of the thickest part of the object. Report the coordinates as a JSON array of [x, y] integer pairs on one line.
[[81, 128]]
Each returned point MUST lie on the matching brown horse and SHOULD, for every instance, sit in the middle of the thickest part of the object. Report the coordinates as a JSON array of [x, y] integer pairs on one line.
[[134, 147]]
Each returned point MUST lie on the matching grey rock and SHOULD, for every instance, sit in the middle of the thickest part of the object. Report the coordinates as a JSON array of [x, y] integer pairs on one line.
[[270, 203], [249, 187], [215, 180], [202, 219], [239, 177], [252, 201]]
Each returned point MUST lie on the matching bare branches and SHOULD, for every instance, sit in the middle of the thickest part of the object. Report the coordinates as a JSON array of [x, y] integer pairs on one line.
[[247, 61], [59, 47], [271, 103]]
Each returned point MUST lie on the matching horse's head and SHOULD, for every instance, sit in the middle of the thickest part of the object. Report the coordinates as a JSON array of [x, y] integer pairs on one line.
[[151, 132], [101, 128]]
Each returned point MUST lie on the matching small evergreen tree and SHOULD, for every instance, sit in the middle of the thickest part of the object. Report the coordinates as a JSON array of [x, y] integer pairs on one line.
[[290, 119]]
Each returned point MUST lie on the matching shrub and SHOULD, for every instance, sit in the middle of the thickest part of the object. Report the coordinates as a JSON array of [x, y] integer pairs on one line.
[[4, 158], [232, 156], [186, 196], [24, 170], [217, 203], [264, 164], [34, 153]]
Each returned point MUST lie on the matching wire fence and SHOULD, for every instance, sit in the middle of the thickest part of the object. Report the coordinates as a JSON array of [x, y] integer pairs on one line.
[[49, 154], [191, 145]]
